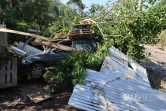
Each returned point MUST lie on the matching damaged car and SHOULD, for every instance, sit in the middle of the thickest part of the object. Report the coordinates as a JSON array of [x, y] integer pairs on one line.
[[35, 61]]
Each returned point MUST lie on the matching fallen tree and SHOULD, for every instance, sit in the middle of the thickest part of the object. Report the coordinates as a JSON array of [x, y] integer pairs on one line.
[[124, 25]]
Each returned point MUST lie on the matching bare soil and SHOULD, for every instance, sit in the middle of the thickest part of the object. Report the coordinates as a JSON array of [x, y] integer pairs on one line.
[[10, 99], [157, 54]]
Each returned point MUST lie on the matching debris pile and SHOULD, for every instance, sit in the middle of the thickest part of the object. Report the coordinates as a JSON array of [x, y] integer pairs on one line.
[[81, 30], [121, 84]]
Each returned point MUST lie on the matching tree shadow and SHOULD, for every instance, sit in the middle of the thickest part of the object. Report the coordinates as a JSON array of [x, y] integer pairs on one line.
[[10, 99]]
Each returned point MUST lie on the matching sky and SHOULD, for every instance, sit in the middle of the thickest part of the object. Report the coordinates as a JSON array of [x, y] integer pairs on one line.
[[88, 3]]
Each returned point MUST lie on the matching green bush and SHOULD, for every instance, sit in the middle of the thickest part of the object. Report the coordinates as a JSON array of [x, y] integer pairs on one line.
[[71, 71]]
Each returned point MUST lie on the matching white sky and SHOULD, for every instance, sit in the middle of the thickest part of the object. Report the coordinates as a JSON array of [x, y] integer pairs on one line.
[[88, 3]]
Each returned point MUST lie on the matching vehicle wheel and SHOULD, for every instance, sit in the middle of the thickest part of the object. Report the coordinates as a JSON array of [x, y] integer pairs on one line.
[[36, 71]]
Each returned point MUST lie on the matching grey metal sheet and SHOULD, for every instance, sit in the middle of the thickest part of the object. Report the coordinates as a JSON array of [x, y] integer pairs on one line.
[[141, 71], [29, 49], [18, 51], [114, 67], [108, 92]]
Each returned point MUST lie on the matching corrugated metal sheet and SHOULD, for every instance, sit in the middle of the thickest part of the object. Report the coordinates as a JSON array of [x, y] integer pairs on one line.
[[140, 71], [121, 84], [114, 67], [109, 92]]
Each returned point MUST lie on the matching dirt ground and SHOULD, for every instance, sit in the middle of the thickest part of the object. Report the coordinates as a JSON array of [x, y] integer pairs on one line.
[[157, 54], [10, 99]]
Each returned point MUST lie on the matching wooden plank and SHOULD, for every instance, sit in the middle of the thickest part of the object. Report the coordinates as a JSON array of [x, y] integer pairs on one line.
[[80, 32], [76, 36], [84, 31], [35, 94], [80, 35], [14, 71], [83, 34], [55, 45], [23, 33], [81, 25], [42, 38], [8, 71], [2, 74]]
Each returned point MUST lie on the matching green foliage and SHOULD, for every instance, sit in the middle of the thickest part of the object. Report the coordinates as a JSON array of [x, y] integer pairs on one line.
[[162, 47], [45, 15], [71, 71], [162, 38], [76, 19], [127, 29], [95, 9], [161, 3]]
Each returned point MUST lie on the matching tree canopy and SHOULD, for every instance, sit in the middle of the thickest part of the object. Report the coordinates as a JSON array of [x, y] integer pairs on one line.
[[46, 15], [127, 28]]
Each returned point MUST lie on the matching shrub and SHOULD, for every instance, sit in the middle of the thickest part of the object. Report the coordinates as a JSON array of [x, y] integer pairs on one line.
[[71, 71]]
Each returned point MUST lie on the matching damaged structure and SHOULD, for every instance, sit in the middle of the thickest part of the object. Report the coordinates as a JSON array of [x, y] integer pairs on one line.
[[8, 68], [121, 84]]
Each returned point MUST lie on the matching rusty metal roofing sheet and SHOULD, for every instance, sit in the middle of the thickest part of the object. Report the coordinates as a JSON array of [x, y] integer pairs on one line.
[[105, 91]]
